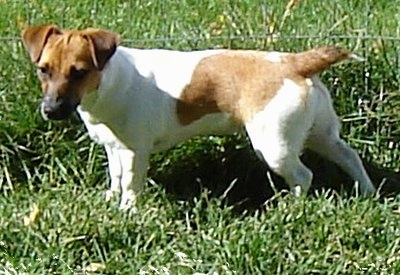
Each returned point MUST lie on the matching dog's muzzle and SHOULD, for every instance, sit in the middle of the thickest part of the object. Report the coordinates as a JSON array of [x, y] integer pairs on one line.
[[56, 108]]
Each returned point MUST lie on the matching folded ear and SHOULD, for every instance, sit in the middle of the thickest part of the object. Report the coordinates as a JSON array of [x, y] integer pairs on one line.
[[36, 37], [102, 45]]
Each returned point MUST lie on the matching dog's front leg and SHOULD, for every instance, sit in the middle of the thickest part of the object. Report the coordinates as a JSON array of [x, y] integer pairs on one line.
[[134, 171], [114, 171]]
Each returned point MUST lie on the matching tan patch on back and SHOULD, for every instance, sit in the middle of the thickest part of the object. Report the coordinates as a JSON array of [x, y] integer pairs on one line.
[[236, 82], [241, 83]]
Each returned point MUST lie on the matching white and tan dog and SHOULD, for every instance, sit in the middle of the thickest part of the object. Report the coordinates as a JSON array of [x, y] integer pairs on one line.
[[136, 102]]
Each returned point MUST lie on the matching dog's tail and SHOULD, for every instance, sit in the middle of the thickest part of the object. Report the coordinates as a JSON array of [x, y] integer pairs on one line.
[[316, 60]]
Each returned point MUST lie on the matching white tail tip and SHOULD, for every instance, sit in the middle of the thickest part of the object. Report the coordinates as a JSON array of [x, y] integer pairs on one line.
[[357, 58]]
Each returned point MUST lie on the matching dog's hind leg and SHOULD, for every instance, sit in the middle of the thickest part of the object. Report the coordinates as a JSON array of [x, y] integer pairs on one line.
[[324, 139], [281, 159], [277, 134], [328, 144]]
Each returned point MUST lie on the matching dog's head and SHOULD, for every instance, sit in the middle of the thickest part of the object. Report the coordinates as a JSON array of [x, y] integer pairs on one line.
[[68, 64]]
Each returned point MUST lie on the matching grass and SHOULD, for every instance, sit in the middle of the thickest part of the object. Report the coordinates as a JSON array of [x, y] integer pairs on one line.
[[326, 235], [57, 168]]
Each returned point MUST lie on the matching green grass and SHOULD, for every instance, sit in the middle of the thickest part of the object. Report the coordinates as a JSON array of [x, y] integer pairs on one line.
[[55, 165], [327, 235]]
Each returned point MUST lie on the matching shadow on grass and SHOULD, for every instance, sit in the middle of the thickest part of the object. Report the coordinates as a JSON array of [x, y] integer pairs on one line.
[[245, 181]]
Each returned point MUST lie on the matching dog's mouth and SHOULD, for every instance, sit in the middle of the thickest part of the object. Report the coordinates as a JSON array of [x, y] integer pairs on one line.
[[59, 109]]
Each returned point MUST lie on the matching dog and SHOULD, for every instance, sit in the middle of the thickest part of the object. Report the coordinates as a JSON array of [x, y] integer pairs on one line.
[[139, 101]]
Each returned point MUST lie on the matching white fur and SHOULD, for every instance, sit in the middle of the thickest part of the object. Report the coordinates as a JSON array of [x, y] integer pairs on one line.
[[274, 57], [133, 114], [279, 131], [292, 121]]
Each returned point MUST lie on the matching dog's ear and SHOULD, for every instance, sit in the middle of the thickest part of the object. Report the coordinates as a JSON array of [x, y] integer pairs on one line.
[[102, 45], [36, 37]]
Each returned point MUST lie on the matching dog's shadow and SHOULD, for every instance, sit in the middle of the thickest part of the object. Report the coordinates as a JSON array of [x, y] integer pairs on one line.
[[246, 182]]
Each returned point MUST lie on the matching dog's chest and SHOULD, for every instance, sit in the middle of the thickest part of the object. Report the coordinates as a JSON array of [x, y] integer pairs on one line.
[[99, 132]]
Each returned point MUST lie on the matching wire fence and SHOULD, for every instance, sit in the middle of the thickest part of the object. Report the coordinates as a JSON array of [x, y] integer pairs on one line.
[[370, 27], [367, 33], [375, 27]]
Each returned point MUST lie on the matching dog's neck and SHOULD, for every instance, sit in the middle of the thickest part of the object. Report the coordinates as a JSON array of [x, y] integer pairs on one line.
[[113, 78]]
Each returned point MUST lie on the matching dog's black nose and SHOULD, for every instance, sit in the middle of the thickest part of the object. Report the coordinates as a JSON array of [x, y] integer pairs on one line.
[[47, 110], [55, 108], [48, 113]]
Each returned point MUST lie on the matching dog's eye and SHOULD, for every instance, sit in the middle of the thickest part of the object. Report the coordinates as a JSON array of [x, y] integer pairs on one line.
[[43, 71], [77, 74]]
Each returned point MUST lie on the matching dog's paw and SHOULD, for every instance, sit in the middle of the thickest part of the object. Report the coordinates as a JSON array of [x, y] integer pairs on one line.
[[367, 189], [297, 191], [128, 202], [109, 195]]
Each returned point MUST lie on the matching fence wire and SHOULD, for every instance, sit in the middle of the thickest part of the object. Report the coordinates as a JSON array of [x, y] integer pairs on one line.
[[365, 34], [368, 29]]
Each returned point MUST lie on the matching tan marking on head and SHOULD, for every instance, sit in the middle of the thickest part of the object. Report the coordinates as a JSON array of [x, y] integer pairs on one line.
[[69, 62], [69, 65], [36, 37], [242, 83]]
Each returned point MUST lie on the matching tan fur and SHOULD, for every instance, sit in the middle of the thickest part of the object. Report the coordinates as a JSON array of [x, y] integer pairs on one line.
[[234, 82], [36, 37], [61, 51], [241, 83], [59, 63], [316, 60]]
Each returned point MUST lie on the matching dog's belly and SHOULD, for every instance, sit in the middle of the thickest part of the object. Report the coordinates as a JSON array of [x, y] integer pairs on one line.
[[171, 135], [212, 124]]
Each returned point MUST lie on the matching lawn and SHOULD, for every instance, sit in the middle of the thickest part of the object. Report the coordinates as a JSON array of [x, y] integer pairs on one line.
[[53, 219]]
